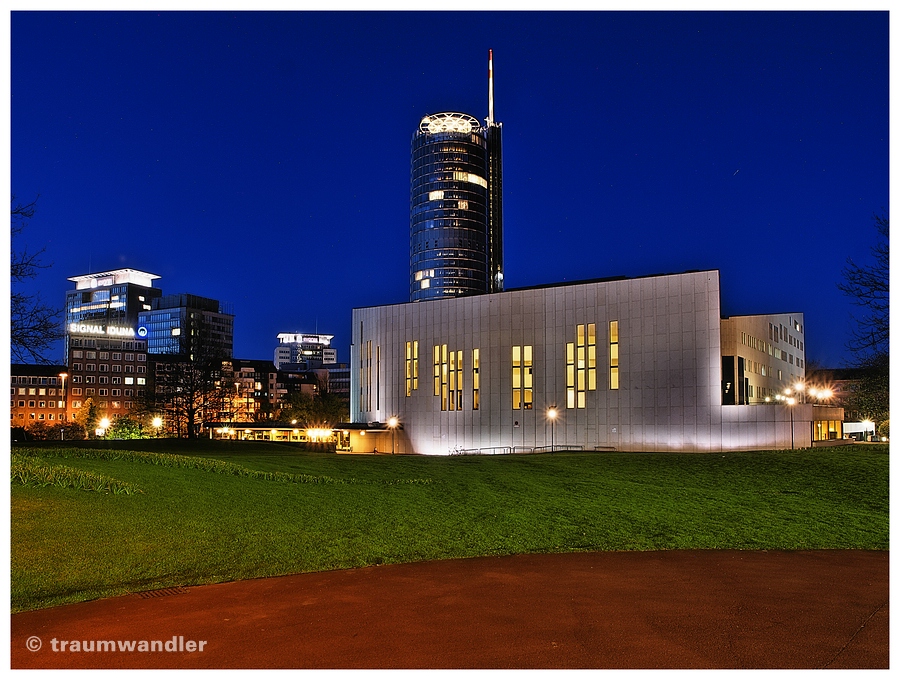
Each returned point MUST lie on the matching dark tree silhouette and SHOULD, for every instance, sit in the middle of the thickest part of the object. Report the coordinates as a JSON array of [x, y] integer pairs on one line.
[[869, 288], [33, 325]]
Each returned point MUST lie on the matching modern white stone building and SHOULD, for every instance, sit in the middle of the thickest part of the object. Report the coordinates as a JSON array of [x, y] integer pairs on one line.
[[624, 364]]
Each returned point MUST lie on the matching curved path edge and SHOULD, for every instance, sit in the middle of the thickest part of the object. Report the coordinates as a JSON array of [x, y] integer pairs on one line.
[[669, 609]]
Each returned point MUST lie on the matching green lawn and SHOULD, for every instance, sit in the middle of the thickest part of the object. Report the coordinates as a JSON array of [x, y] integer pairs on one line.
[[290, 511]]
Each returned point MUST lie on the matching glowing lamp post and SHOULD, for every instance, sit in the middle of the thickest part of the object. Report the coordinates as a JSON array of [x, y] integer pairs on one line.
[[392, 423], [62, 392], [157, 423], [552, 414], [104, 426], [790, 403]]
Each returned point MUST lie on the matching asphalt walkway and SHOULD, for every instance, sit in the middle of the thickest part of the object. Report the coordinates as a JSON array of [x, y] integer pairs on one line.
[[674, 609]]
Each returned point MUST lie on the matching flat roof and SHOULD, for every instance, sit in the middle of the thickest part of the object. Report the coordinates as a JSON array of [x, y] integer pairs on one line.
[[541, 286], [117, 275]]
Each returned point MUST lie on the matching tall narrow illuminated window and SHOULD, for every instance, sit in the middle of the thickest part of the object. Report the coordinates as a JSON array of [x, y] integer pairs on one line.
[[368, 375], [448, 377], [412, 367], [613, 355], [516, 377], [362, 377], [408, 368], [528, 377], [445, 378], [459, 380], [522, 377], [437, 370], [476, 380], [592, 356], [581, 365], [452, 399]]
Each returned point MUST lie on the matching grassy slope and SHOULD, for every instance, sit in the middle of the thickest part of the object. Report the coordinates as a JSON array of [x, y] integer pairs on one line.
[[191, 526]]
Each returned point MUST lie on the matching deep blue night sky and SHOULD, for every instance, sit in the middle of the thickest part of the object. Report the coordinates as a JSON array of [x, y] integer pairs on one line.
[[263, 158]]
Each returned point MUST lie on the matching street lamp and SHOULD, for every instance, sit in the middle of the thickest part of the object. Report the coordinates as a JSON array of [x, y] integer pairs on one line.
[[392, 423], [552, 414], [62, 392], [157, 423], [104, 426]]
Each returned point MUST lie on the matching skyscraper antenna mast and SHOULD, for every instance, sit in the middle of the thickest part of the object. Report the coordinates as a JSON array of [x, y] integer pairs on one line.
[[490, 119]]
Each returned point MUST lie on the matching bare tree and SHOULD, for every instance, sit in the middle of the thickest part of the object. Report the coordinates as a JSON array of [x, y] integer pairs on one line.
[[869, 288], [33, 325], [187, 386]]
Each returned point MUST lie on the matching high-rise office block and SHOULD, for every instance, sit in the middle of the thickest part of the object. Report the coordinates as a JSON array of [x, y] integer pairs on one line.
[[306, 349], [105, 305], [106, 352], [186, 325], [456, 225]]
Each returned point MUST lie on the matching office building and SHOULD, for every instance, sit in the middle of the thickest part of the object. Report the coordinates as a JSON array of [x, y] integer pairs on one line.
[[37, 394], [456, 215], [112, 372], [188, 325], [304, 350], [105, 352], [761, 354], [107, 304], [255, 394]]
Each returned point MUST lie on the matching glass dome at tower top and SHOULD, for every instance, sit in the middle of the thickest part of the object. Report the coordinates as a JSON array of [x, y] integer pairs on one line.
[[449, 122]]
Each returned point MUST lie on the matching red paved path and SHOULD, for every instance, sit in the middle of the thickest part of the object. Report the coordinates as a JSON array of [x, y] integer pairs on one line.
[[675, 609]]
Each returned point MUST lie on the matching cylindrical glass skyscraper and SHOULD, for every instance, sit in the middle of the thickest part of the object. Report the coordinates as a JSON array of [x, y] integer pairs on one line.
[[449, 208]]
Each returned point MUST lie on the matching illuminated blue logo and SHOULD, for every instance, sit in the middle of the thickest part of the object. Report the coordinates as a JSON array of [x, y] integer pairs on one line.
[[142, 332]]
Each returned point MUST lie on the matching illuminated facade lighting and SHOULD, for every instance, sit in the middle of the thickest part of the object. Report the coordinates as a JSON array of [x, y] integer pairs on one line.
[[617, 376], [108, 304]]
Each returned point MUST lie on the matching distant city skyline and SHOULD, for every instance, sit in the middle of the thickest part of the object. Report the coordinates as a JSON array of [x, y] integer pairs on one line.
[[262, 159]]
